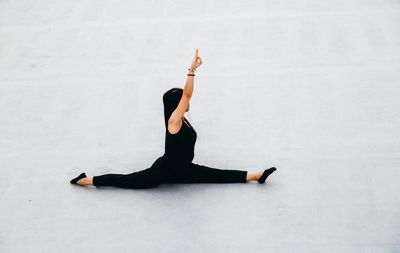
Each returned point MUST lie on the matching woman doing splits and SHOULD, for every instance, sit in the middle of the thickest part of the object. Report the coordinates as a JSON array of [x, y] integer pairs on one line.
[[176, 165]]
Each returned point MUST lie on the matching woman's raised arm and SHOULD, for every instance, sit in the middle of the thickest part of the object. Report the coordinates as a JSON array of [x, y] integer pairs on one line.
[[188, 89]]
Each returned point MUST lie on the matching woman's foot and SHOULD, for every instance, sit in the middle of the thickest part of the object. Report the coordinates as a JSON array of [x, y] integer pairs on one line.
[[266, 173], [75, 180]]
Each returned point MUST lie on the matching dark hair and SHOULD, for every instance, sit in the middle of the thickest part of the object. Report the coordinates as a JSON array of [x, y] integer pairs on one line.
[[171, 100]]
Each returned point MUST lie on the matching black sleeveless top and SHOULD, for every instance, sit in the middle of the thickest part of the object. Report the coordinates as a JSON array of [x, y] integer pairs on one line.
[[179, 147]]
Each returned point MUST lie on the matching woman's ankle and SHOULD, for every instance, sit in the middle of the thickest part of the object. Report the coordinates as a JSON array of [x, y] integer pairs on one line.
[[253, 175], [85, 181]]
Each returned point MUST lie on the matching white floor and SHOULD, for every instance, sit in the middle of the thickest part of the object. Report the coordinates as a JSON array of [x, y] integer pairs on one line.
[[311, 87]]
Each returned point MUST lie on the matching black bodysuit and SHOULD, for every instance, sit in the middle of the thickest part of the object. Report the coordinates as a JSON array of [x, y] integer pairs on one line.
[[175, 166], [179, 147]]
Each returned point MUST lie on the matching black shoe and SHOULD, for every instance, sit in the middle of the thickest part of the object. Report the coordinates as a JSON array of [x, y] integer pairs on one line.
[[73, 181], [266, 173]]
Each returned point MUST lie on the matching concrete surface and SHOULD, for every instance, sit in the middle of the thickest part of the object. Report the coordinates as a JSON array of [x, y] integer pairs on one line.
[[311, 87]]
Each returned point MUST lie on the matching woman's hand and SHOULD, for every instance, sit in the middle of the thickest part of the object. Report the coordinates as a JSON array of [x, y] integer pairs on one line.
[[196, 61]]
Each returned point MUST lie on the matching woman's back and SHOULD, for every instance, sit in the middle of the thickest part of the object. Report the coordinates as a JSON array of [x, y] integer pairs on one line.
[[179, 147]]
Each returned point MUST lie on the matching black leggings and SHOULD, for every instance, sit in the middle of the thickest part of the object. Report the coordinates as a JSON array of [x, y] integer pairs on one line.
[[162, 172]]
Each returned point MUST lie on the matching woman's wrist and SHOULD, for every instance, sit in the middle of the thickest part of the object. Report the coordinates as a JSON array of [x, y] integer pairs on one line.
[[191, 72]]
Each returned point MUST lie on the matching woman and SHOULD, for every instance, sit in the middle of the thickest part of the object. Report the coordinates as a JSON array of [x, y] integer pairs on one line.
[[176, 165]]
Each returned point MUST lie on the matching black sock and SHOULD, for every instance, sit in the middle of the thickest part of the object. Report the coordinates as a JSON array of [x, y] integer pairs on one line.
[[266, 174], [82, 175]]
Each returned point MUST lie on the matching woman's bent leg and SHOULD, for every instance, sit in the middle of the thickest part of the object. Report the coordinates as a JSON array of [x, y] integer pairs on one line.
[[147, 178], [195, 173]]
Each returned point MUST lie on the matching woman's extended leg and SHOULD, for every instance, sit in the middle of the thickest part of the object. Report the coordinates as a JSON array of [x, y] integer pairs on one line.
[[147, 178], [195, 173]]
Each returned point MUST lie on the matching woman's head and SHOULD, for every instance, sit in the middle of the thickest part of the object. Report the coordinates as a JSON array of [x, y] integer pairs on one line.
[[171, 100], [172, 97]]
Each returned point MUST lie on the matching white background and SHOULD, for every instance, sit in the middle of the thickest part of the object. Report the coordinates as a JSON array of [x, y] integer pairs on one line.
[[310, 87]]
